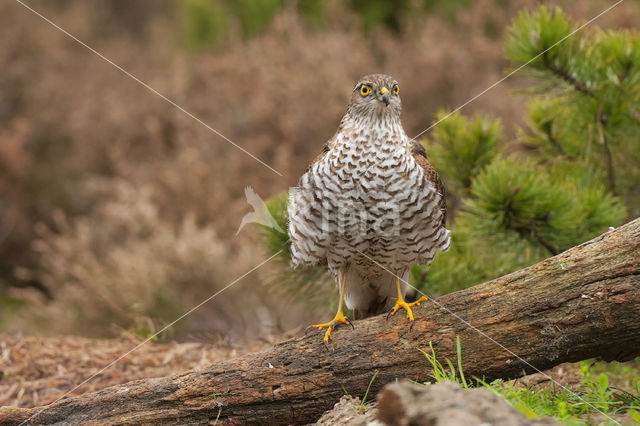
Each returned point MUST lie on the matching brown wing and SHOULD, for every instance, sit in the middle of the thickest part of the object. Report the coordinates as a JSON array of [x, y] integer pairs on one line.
[[325, 148], [420, 155]]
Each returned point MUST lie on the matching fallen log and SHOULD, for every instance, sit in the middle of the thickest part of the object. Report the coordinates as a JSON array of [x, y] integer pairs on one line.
[[580, 304]]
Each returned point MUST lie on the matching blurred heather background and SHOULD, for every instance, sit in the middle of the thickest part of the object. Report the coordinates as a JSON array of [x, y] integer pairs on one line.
[[118, 212]]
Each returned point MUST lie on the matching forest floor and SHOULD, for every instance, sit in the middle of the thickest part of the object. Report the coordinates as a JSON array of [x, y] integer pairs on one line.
[[39, 370], [36, 371]]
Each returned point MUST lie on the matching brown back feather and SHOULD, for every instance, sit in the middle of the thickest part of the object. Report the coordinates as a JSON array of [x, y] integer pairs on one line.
[[420, 155]]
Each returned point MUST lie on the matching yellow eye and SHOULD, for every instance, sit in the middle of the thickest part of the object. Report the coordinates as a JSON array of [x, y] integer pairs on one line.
[[396, 89], [365, 90]]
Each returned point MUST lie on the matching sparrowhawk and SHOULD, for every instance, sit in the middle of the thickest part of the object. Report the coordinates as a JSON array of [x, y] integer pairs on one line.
[[369, 206]]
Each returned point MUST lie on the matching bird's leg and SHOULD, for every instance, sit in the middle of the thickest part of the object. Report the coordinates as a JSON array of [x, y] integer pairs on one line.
[[400, 303], [339, 318]]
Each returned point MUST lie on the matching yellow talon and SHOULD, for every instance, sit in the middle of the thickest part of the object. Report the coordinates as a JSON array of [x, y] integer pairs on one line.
[[400, 303], [340, 318]]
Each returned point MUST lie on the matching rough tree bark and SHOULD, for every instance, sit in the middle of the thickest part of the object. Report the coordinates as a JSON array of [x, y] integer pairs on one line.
[[580, 304]]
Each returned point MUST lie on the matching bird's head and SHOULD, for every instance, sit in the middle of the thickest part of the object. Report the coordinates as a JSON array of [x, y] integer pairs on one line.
[[376, 95]]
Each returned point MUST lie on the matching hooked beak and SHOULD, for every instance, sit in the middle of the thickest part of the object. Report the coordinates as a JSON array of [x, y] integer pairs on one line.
[[383, 96]]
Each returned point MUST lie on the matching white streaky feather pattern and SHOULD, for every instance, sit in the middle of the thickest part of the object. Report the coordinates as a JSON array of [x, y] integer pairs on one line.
[[366, 195]]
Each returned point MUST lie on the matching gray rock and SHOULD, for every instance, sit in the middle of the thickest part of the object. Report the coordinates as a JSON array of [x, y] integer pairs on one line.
[[448, 404], [348, 411]]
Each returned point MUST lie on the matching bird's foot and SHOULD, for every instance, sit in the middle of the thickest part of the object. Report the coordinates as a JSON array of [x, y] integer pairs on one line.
[[340, 318], [407, 307]]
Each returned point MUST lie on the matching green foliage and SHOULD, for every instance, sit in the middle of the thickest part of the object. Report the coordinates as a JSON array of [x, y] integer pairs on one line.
[[464, 149], [313, 11], [590, 115], [203, 22], [275, 240], [381, 11], [550, 130], [594, 395], [449, 271], [390, 14], [512, 199], [531, 34], [254, 15], [364, 398], [447, 8], [509, 211], [466, 263], [440, 373]]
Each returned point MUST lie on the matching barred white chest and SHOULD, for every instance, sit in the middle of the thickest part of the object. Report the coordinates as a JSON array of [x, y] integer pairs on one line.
[[366, 202]]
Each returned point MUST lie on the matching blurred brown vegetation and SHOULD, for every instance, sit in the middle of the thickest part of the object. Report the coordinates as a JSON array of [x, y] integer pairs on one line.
[[119, 212]]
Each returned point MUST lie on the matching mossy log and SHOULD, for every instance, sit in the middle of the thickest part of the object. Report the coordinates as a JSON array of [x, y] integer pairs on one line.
[[582, 303]]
